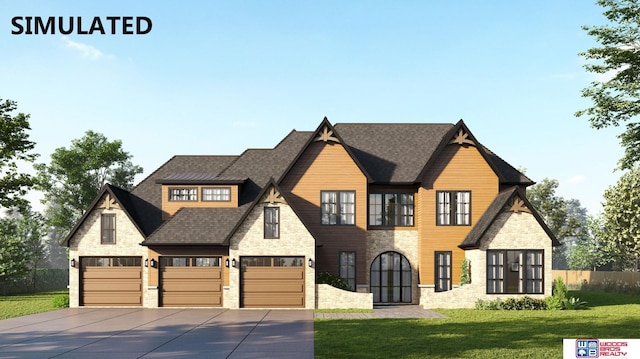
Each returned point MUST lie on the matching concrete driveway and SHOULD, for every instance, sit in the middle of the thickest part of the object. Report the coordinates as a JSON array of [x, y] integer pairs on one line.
[[159, 333]]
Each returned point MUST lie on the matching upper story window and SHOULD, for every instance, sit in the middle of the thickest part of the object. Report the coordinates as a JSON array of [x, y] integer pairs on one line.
[[271, 222], [453, 208], [216, 194], [338, 207], [189, 194], [391, 209], [108, 228]]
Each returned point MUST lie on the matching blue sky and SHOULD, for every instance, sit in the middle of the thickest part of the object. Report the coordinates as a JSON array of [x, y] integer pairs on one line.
[[217, 77]]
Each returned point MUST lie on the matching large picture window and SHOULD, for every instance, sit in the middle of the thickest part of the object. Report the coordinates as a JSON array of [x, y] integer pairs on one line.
[[453, 208], [391, 209], [348, 268], [515, 272], [108, 229], [271, 222], [443, 271], [338, 207]]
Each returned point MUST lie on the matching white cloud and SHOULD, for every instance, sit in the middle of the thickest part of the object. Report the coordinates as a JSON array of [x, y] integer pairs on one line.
[[576, 179], [85, 50]]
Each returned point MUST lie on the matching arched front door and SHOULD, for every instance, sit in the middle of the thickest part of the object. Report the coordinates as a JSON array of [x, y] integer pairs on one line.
[[391, 278]]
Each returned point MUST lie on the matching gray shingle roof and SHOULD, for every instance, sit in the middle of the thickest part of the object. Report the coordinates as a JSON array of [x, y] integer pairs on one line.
[[393, 153]]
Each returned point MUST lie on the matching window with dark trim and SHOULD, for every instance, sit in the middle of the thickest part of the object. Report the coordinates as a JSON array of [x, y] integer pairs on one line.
[[271, 222], [216, 194], [453, 208], [391, 209], [188, 194], [515, 272], [443, 271], [338, 207], [348, 268], [108, 228]]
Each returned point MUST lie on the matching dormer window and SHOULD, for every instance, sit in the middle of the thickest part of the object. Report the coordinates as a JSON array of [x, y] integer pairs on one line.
[[189, 194], [216, 194]]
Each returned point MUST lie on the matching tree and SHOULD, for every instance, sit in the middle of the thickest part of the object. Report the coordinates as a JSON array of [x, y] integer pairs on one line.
[[616, 100], [75, 175], [589, 253], [32, 229], [15, 147], [14, 256], [567, 219], [622, 219]]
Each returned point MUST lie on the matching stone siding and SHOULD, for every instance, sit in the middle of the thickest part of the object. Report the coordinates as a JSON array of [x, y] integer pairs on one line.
[[405, 242], [295, 240], [328, 297], [509, 231], [86, 242]]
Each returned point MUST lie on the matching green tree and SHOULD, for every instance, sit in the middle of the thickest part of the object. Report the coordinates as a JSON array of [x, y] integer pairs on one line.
[[567, 219], [75, 175], [15, 147], [589, 253], [617, 100], [621, 217], [32, 229], [14, 255]]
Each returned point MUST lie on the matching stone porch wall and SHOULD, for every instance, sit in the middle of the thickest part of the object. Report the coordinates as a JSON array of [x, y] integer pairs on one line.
[[509, 231], [329, 297]]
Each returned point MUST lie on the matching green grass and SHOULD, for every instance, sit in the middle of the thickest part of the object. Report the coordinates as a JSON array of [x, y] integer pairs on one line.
[[24, 304], [469, 333]]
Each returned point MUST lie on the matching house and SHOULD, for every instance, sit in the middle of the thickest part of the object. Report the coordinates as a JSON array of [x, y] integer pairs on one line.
[[394, 209]]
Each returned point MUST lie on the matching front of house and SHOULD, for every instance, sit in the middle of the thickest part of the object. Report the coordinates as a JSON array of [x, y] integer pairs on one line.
[[394, 209]]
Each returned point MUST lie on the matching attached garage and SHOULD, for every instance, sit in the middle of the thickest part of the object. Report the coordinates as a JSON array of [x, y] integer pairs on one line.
[[190, 281], [272, 282], [111, 281]]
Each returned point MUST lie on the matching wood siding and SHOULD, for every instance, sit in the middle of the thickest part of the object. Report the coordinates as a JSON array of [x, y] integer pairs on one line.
[[328, 167], [272, 287], [169, 208], [202, 251], [459, 168], [191, 287], [111, 286]]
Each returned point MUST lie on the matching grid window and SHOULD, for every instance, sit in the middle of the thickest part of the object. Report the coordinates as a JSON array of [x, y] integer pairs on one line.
[[108, 229], [216, 194], [348, 268], [515, 272], [443, 271], [271, 222], [391, 209], [183, 194], [338, 207], [453, 208]]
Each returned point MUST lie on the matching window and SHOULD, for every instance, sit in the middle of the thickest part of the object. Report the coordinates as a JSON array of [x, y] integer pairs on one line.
[[183, 194], [216, 194], [443, 271], [391, 209], [271, 222], [338, 207], [108, 229], [190, 261], [453, 208], [515, 272], [348, 268]]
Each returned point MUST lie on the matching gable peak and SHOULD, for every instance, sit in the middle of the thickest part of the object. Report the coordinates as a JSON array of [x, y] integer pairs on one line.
[[108, 202], [517, 205], [325, 133], [273, 196], [462, 137]]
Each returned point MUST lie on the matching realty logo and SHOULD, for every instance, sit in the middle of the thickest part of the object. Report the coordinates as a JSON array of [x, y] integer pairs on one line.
[[587, 348]]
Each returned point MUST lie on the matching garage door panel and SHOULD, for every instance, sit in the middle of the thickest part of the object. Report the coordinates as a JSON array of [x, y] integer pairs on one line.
[[112, 273], [186, 299], [184, 284], [278, 274], [192, 273], [202, 285], [112, 298], [274, 301], [112, 286], [274, 287], [105, 282], [265, 285]]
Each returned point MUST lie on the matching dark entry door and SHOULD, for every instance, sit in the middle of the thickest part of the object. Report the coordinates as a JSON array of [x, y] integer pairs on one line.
[[391, 278]]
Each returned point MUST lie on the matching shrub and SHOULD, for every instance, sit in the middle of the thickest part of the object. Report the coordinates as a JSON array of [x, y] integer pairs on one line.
[[524, 303], [553, 303], [333, 280], [574, 304], [559, 290], [488, 304], [465, 277], [61, 301]]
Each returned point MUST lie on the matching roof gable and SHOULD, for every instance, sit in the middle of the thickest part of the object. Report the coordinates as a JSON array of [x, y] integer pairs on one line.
[[513, 200], [109, 197]]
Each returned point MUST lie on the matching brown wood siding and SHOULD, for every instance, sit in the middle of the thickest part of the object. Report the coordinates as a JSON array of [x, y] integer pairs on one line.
[[328, 167], [458, 168], [191, 287], [111, 286], [273, 287], [169, 208]]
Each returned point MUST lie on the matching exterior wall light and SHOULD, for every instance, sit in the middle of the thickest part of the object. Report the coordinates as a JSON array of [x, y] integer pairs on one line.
[[146, 262], [226, 262], [310, 263], [72, 262], [153, 263], [233, 262]]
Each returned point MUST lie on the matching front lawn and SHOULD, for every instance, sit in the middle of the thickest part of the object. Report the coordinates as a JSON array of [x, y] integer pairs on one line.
[[25, 304], [470, 333]]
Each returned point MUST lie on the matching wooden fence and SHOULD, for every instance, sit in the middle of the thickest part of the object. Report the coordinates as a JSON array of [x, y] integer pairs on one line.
[[575, 278]]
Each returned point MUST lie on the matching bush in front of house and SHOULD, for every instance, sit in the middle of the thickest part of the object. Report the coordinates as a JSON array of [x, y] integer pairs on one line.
[[522, 303], [332, 280], [61, 301]]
